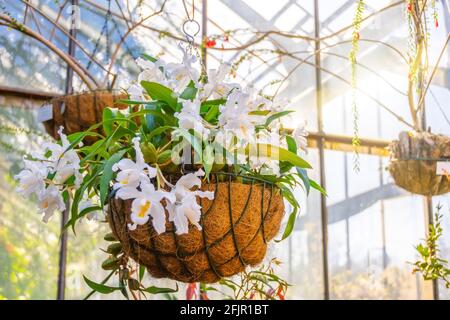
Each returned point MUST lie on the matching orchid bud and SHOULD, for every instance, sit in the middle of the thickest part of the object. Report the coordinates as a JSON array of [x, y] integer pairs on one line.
[[112, 263], [149, 152], [110, 237], [164, 157], [114, 248]]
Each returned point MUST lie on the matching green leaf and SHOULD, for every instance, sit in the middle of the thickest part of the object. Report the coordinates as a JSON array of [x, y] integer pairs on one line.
[[87, 181], [168, 119], [157, 290], [289, 225], [101, 148], [158, 131], [212, 113], [159, 92], [304, 176], [103, 282], [318, 187], [79, 136], [148, 57], [108, 114], [292, 145], [108, 173], [101, 288], [287, 194], [281, 154], [277, 116], [75, 138], [228, 283], [190, 92], [150, 122], [130, 102], [208, 103], [141, 272], [259, 113], [88, 210], [123, 289]]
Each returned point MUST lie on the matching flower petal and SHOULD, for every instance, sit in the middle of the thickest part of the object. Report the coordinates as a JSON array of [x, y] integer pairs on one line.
[[180, 220], [205, 194], [124, 164], [158, 217], [126, 193]]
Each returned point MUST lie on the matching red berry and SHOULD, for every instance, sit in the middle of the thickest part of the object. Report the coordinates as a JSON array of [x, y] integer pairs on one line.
[[409, 7], [210, 43], [436, 23]]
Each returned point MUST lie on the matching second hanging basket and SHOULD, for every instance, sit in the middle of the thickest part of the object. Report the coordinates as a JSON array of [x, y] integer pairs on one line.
[[413, 162], [236, 227], [77, 112]]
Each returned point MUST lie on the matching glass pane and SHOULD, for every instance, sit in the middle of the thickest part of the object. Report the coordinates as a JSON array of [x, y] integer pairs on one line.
[[302, 252], [373, 227]]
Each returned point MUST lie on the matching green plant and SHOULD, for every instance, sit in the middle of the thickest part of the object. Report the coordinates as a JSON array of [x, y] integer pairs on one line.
[[259, 284], [430, 265], [179, 121]]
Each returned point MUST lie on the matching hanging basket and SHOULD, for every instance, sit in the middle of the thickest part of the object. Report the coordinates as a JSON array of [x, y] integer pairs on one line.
[[77, 112], [236, 227], [413, 162]]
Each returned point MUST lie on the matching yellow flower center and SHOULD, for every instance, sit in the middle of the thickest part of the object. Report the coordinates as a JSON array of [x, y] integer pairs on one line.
[[220, 90], [45, 204], [124, 181], [144, 208]]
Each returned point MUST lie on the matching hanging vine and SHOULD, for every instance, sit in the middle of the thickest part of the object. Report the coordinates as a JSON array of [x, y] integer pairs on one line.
[[352, 56], [418, 56]]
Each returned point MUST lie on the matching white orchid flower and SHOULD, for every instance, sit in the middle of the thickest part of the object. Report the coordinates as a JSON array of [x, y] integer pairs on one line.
[[190, 118], [146, 204], [152, 71], [264, 164], [299, 135], [276, 105], [31, 179], [131, 173], [136, 93], [50, 200], [235, 116], [64, 161], [216, 87], [183, 207], [147, 64], [179, 75]]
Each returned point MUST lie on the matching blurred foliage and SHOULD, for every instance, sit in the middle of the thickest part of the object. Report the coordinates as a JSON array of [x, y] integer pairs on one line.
[[28, 248], [392, 283]]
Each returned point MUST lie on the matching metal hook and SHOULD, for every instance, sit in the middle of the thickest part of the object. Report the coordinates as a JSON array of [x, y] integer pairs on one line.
[[190, 36]]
